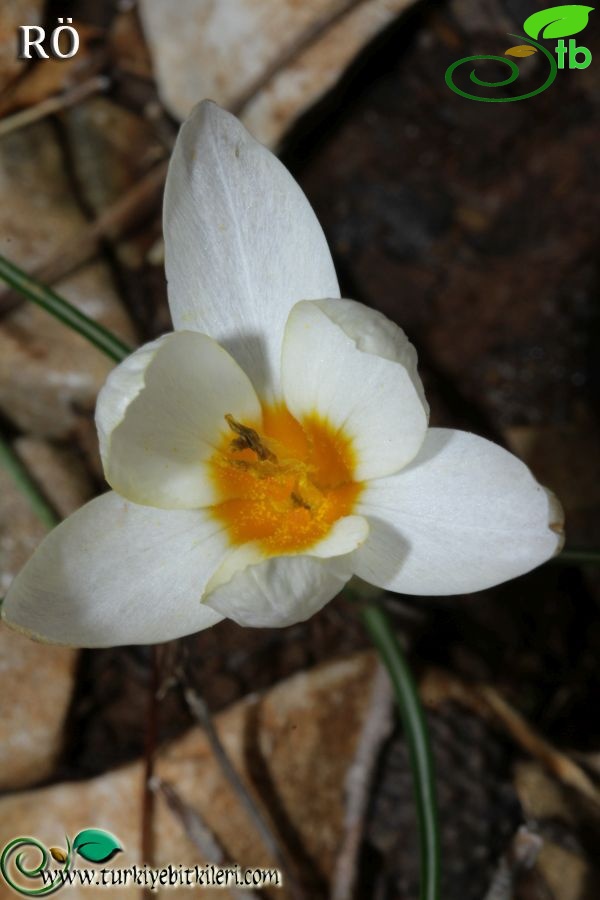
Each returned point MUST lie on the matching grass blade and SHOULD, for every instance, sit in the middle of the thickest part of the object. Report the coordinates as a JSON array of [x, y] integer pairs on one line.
[[26, 485], [61, 309]]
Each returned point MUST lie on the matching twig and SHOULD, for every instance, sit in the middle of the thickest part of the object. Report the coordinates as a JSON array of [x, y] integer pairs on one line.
[[558, 763], [376, 729], [520, 856], [53, 104], [196, 829], [115, 222], [201, 713]]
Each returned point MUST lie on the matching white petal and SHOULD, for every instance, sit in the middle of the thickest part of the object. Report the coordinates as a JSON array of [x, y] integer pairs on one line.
[[282, 590], [356, 369], [242, 244], [116, 573], [465, 515], [345, 536], [160, 415]]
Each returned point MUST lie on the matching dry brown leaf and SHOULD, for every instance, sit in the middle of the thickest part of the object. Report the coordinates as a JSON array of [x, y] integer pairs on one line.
[[305, 725], [520, 50], [266, 61]]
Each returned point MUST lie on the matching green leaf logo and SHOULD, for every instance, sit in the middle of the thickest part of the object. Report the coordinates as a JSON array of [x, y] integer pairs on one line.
[[96, 845], [558, 21]]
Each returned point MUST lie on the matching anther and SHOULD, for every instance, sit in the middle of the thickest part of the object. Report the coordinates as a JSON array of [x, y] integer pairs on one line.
[[297, 500], [248, 439]]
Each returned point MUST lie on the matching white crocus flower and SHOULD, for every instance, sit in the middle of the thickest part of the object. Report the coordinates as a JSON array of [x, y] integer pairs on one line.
[[274, 445]]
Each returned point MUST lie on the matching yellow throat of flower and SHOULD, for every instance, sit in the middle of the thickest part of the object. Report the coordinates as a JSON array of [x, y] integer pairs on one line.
[[284, 483]]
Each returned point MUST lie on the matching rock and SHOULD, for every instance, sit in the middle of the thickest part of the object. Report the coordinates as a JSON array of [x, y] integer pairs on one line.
[[271, 60], [292, 746], [13, 14], [49, 375]]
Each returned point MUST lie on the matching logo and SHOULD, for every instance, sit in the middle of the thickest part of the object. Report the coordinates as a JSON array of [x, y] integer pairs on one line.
[[92, 844], [556, 22]]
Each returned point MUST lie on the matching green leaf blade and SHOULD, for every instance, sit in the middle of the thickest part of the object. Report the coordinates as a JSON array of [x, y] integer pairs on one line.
[[96, 845], [558, 21], [64, 311]]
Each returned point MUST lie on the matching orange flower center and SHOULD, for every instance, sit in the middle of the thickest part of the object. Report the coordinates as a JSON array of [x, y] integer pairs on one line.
[[284, 483]]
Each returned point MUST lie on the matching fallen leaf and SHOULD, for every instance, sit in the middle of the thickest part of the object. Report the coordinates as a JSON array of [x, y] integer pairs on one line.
[[267, 62]]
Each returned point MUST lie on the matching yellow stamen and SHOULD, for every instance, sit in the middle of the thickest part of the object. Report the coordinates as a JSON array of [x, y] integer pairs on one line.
[[283, 483]]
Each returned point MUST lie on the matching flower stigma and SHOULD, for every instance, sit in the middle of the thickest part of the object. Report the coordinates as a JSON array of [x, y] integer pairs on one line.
[[284, 484]]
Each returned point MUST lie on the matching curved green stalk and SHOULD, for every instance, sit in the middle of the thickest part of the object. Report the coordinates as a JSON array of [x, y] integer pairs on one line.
[[417, 738], [61, 309]]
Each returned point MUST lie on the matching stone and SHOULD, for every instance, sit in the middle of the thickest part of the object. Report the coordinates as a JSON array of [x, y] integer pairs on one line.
[[269, 61], [292, 747]]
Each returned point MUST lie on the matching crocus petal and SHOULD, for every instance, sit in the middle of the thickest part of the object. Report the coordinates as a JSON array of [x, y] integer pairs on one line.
[[354, 368], [281, 591], [242, 244], [345, 536], [160, 415], [465, 515], [116, 573]]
